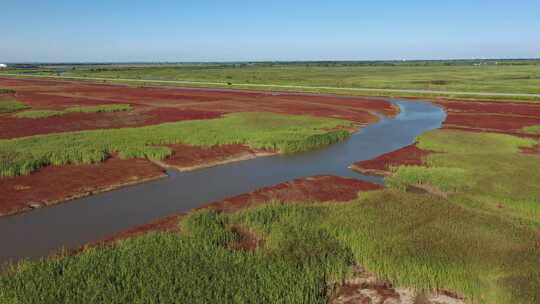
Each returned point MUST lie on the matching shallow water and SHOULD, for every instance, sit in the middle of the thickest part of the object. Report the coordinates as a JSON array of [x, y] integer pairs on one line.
[[42, 231]]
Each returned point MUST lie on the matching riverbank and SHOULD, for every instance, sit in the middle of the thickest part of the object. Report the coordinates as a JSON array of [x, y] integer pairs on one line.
[[148, 107], [54, 185], [132, 206]]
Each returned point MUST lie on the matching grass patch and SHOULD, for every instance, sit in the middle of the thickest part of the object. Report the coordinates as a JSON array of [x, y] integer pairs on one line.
[[36, 114], [7, 91], [411, 239], [194, 267], [532, 129], [276, 132], [484, 170], [444, 179], [417, 241], [11, 105], [99, 108]]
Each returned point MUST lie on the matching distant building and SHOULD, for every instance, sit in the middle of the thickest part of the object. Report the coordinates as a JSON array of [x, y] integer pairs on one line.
[[3, 66]]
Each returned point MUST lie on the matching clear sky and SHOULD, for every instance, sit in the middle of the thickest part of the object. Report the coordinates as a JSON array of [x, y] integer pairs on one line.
[[234, 30]]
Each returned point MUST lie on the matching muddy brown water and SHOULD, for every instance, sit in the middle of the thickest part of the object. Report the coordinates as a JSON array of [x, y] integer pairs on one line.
[[41, 232]]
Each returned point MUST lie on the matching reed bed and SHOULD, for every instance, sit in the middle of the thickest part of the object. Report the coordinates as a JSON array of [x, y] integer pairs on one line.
[[8, 105], [38, 114], [119, 107], [532, 129]]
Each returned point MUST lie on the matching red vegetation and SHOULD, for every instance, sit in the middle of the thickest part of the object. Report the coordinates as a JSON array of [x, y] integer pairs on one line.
[[409, 155], [153, 105], [322, 188], [186, 156], [52, 184], [12, 127], [165, 224], [491, 116]]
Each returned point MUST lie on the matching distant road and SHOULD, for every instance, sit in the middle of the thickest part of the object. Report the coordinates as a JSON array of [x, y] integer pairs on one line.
[[284, 86]]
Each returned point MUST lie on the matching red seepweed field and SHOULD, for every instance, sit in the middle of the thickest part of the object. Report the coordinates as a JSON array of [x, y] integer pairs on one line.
[[150, 106], [158, 105]]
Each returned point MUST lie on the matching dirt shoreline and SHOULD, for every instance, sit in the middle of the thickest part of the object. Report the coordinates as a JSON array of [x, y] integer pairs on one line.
[[59, 184], [232, 159]]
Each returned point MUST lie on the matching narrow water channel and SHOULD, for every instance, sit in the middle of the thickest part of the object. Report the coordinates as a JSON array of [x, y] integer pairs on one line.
[[42, 231]]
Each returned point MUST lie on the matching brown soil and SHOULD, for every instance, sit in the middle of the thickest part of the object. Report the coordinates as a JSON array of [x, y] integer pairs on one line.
[[491, 116], [532, 150], [324, 188], [52, 184], [153, 105], [364, 287], [248, 241], [409, 155]]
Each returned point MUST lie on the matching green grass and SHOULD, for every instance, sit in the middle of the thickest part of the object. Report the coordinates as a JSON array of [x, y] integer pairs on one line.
[[276, 132], [99, 108], [485, 171], [36, 114], [7, 91], [532, 129], [418, 241], [194, 267], [411, 239], [511, 79], [8, 105], [445, 179], [466, 77]]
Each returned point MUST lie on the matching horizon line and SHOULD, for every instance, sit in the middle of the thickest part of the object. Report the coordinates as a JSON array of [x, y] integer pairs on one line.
[[271, 61]]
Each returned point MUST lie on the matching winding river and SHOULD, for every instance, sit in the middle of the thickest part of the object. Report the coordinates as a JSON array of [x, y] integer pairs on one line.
[[42, 231]]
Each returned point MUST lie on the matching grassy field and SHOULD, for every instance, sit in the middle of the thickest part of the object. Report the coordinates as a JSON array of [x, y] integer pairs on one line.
[[275, 132], [8, 105], [6, 91], [462, 77], [481, 239], [99, 108], [532, 129], [37, 114], [195, 267], [481, 171]]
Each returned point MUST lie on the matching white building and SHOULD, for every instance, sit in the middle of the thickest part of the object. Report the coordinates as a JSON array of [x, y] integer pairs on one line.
[[3, 66]]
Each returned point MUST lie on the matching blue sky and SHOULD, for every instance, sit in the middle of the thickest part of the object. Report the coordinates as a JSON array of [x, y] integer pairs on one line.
[[203, 30]]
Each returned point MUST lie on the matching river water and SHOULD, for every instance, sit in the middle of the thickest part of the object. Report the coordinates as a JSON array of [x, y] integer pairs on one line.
[[40, 232]]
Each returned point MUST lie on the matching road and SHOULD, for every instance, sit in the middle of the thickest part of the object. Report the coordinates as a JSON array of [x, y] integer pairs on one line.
[[282, 86]]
